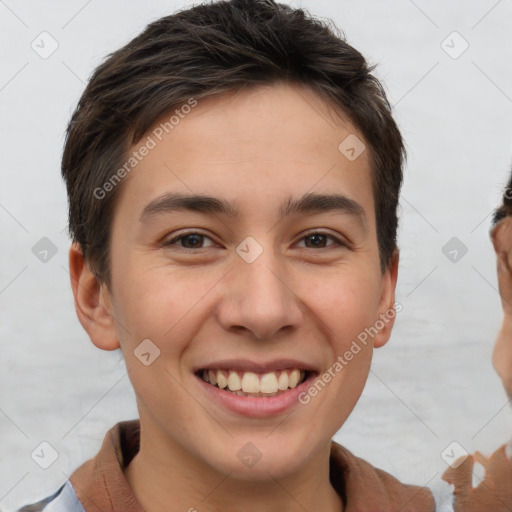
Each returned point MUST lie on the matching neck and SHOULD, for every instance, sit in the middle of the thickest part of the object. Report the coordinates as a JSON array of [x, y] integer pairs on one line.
[[163, 473]]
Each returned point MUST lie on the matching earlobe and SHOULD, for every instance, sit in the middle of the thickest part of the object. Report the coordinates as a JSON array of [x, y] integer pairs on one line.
[[92, 304], [387, 312]]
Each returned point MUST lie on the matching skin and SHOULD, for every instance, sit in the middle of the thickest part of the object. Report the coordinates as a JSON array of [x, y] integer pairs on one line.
[[501, 236], [494, 492], [198, 305]]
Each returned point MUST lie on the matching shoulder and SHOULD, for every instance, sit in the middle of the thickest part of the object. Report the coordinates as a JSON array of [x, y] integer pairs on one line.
[[365, 487], [62, 500]]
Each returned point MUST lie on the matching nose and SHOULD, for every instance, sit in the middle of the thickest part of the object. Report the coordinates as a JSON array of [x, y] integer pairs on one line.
[[259, 298]]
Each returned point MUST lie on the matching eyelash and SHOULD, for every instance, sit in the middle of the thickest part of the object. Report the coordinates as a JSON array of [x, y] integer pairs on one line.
[[308, 235]]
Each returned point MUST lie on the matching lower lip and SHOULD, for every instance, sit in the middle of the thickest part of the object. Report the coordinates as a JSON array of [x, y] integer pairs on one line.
[[257, 407]]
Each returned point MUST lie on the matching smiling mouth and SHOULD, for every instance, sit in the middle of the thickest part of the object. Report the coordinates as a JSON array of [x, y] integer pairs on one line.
[[253, 384]]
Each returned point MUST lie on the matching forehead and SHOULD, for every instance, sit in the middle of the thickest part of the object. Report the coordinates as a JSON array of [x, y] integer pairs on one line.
[[253, 147]]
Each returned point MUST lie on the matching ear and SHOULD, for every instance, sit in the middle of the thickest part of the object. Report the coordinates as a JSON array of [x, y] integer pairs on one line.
[[501, 236], [92, 302], [387, 311]]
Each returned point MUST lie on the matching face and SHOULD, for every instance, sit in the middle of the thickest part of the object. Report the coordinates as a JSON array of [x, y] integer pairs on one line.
[[270, 279], [501, 236]]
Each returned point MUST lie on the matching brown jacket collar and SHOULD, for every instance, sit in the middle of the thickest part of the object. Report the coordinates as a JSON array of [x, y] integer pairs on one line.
[[101, 486]]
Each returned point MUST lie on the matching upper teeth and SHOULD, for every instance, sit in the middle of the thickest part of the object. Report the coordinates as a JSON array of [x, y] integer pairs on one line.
[[250, 382]]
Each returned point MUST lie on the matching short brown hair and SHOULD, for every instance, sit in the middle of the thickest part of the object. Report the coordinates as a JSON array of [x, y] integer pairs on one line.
[[208, 50], [505, 209]]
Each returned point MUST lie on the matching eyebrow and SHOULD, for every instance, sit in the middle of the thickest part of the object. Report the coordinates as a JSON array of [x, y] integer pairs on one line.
[[306, 204]]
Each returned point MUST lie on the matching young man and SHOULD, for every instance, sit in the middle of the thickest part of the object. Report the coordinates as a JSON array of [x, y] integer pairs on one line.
[[233, 176], [495, 490]]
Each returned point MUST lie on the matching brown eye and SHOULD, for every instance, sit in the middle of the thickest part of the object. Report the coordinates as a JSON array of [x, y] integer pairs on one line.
[[318, 240], [190, 240]]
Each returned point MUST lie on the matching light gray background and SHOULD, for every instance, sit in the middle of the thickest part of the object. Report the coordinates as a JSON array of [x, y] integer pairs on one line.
[[432, 384]]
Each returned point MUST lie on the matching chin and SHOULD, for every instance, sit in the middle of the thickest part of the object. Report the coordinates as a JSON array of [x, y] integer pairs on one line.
[[268, 468], [260, 459]]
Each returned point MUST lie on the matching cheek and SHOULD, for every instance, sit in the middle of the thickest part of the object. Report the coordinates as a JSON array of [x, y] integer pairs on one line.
[[502, 357], [158, 305], [348, 304], [352, 316], [159, 317]]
